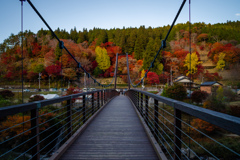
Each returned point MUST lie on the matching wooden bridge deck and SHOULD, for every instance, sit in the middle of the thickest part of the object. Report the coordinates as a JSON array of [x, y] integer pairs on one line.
[[116, 133]]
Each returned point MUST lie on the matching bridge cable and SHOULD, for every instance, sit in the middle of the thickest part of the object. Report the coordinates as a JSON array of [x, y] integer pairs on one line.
[[116, 66], [61, 44], [163, 45], [190, 50], [23, 127]]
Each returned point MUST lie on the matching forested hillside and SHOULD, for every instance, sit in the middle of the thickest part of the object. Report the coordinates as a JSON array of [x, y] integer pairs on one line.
[[215, 53]]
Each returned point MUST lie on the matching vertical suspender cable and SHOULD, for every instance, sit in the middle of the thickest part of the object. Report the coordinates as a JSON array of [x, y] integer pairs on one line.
[[61, 75], [190, 50], [22, 44], [190, 47], [22, 56]]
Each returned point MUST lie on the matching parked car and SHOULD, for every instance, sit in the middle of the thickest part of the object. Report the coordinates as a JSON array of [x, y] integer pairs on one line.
[[86, 89], [92, 89], [26, 90]]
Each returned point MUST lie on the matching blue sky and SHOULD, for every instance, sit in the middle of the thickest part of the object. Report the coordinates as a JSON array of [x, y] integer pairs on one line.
[[67, 14]]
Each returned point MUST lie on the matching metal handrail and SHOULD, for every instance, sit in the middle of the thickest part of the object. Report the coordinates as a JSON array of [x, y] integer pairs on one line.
[[225, 121], [69, 119], [169, 133]]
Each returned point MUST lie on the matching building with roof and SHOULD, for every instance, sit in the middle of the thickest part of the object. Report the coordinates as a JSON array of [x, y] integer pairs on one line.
[[185, 81], [209, 86]]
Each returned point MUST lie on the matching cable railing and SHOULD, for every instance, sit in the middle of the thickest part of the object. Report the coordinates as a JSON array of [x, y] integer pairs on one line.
[[185, 131], [48, 124]]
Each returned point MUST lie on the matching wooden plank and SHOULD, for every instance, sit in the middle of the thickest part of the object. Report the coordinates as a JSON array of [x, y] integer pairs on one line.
[[154, 142], [69, 142], [116, 133]]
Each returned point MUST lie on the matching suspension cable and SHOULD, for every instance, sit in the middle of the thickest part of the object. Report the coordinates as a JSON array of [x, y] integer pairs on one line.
[[190, 50], [61, 44], [163, 45]]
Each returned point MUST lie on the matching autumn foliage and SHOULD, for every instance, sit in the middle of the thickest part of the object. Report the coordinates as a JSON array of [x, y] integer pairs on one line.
[[199, 96], [96, 51], [202, 126], [152, 78], [18, 129]]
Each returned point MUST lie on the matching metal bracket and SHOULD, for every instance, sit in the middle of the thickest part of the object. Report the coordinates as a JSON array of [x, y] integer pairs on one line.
[[61, 45], [38, 105], [79, 65], [163, 44], [152, 65]]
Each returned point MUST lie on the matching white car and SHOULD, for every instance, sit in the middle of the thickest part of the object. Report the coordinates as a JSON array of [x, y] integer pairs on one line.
[[26, 90], [85, 89], [92, 89]]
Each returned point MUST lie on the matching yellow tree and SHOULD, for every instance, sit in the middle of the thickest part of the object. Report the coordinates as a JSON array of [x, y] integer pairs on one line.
[[102, 58], [192, 66], [143, 73], [221, 62]]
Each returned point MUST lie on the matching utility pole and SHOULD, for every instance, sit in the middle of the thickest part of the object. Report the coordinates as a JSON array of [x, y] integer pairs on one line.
[[171, 76], [39, 79], [49, 82], [85, 80]]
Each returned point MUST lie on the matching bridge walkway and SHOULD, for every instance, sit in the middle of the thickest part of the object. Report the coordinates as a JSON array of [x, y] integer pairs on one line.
[[116, 133]]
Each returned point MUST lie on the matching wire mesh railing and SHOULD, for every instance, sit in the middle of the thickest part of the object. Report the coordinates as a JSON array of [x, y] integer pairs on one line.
[[38, 129], [185, 131]]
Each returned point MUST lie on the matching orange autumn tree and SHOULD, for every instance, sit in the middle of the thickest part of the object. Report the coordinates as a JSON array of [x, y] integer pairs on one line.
[[12, 122], [202, 126]]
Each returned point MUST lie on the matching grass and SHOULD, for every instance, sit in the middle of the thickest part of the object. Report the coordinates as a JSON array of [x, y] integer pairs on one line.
[[235, 103], [154, 92]]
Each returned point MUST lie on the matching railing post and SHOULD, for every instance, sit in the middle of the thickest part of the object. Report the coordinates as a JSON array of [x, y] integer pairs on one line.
[[146, 106], [84, 108], [101, 98], [104, 96], [92, 103], [141, 109], [156, 121], [98, 104], [135, 97], [177, 133], [35, 134], [138, 100], [69, 117]]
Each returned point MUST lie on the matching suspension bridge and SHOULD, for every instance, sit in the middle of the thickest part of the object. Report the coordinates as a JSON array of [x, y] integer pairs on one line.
[[107, 124]]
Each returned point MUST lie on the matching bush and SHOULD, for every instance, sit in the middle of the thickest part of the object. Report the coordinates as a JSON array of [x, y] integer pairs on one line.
[[176, 91], [202, 126], [235, 111], [219, 151], [7, 94], [215, 104], [36, 98], [199, 96], [4, 102], [229, 94]]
